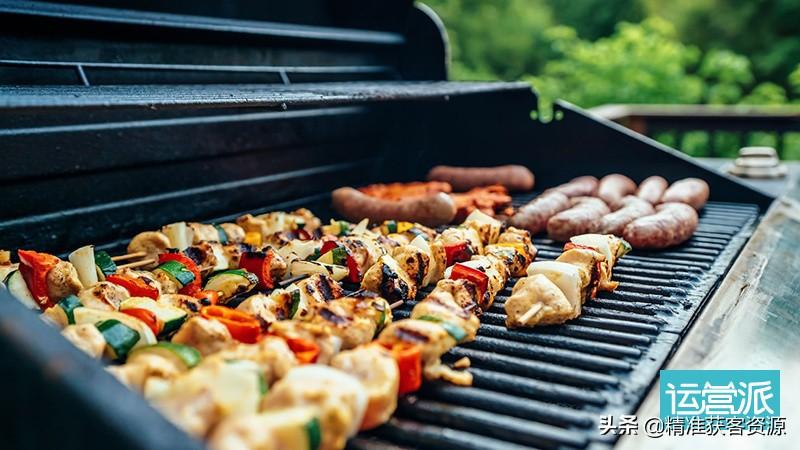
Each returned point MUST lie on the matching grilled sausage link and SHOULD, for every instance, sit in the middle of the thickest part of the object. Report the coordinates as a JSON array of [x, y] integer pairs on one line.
[[577, 187], [432, 210], [614, 187], [652, 188], [672, 224], [584, 217], [631, 209], [513, 177], [534, 216], [692, 191]]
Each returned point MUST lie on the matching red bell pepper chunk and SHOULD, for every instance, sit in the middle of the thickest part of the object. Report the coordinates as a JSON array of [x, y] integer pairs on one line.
[[259, 263], [146, 316], [478, 278], [34, 267], [353, 270], [195, 285], [242, 326], [304, 235], [327, 246], [304, 350], [409, 363], [135, 286], [457, 252]]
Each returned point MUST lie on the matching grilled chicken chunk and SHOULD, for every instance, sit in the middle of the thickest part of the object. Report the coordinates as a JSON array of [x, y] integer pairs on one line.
[[340, 398], [377, 371], [87, 338], [442, 307], [610, 246], [268, 308], [145, 277], [209, 256], [203, 232], [185, 302], [453, 236], [535, 300], [271, 354], [365, 250], [588, 262], [414, 262], [207, 336], [517, 236], [136, 372], [168, 284], [495, 270], [103, 295], [432, 337], [233, 232], [233, 253], [314, 290], [567, 277], [389, 280], [62, 280], [512, 258], [355, 320], [464, 293], [487, 227]]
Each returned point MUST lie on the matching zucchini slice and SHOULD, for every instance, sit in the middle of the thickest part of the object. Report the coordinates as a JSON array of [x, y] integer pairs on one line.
[[230, 283], [119, 337], [104, 263], [93, 316], [171, 316], [184, 355], [68, 305], [177, 272], [17, 287]]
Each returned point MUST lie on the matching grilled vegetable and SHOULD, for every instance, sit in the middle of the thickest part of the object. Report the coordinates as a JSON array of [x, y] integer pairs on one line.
[[182, 270], [17, 287], [68, 305], [85, 315], [34, 267], [120, 338], [304, 350], [409, 363], [242, 326], [260, 264], [170, 317], [137, 287], [463, 272], [184, 355], [291, 428], [230, 283], [84, 261], [105, 266]]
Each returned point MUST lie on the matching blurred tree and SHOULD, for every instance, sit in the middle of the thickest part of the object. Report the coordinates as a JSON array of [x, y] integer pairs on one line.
[[497, 39], [767, 31], [594, 19], [639, 63]]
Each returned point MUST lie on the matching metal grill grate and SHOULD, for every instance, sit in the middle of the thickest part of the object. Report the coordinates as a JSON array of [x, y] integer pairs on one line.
[[545, 387]]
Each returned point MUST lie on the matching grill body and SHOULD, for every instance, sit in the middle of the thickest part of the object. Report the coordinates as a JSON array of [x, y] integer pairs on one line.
[[115, 121]]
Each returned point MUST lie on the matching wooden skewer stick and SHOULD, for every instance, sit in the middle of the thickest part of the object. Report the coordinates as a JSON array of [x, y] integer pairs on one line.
[[395, 304], [135, 264], [133, 255], [523, 319], [293, 279]]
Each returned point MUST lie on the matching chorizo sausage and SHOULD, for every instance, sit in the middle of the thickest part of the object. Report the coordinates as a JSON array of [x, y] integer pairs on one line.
[[577, 187], [651, 189], [534, 216], [692, 191], [672, 224], [513, 177], [584, 217], [613, 187], [432, 210], [631, 209]]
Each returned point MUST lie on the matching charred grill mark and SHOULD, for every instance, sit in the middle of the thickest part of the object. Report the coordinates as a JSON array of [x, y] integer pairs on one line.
[[409, 335], [323, 284], [196, 254], [332, 317], [392, 287], [191, 306], [422, 268]]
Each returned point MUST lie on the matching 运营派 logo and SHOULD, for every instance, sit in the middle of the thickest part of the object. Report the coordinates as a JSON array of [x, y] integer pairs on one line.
[[727, 393]]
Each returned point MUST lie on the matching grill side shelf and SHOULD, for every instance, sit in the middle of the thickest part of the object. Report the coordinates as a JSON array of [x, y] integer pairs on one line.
[[546, 387]]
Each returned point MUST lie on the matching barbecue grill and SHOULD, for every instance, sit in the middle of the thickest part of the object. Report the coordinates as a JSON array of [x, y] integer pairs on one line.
[[116, 120]]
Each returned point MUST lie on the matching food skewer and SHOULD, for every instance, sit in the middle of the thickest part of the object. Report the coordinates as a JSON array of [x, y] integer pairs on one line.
[[135, 264], [134, 255]]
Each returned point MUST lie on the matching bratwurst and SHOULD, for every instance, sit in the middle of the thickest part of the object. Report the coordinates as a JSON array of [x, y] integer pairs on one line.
[[513, 177], [584, 217], [652, 188], [534, 216], [692, 191], [672, 224], [631, 209], [431, 210], [577, 187], [613, 187]]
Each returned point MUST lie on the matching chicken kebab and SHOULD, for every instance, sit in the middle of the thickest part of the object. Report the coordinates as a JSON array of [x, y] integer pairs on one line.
[[232, 366], [555, 291]]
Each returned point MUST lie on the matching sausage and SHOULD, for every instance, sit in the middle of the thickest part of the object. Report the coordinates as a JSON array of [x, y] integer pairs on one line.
[[651, 189], [577, 187], [432, 210], [584, 217], [613, 187], [513, 177], [692, 191], [672, 224], [632, 208], [534, 215]]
